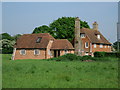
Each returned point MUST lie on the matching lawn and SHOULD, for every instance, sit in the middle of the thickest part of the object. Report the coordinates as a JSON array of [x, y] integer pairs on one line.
[[58, 74]]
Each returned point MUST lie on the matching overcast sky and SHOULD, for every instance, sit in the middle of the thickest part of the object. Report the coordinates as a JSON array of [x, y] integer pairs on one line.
[[23, 17]]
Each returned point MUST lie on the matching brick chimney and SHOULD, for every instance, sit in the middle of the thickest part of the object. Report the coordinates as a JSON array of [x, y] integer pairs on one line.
[[77, 41], [95, 26]]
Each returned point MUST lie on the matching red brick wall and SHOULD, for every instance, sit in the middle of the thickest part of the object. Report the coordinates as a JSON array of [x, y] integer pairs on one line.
[[107, 49], [91, 48], [84, 40], [29, 54]]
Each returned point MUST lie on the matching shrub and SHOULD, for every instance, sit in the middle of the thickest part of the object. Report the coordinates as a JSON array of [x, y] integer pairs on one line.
[[99, 54], [111, 54], [86, 58], [69, 57], [107, 54]]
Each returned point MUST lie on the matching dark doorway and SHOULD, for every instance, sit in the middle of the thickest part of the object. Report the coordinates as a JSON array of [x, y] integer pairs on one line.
[[58, 53], [55, 52]]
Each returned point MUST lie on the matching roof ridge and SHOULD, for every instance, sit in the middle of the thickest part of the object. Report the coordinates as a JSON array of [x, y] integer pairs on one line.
[[36, 33]]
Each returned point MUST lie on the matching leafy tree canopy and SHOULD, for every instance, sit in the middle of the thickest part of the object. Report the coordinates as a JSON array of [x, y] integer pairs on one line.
[[42, 29], [6, 36], [62, 28], [15, 37], [6, 46]]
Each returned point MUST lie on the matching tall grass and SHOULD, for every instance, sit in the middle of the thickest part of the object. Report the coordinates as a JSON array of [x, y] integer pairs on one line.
[[53, 74]]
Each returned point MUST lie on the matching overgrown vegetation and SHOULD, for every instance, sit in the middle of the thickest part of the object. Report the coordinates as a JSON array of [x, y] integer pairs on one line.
[[73, 57], [7, 42], [107, 54], [53, 74]]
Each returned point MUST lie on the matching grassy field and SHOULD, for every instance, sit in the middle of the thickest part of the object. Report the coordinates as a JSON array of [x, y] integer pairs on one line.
[[58, 74]]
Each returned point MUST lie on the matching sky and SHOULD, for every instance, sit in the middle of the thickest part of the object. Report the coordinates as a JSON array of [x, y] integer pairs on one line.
[[23, 17]]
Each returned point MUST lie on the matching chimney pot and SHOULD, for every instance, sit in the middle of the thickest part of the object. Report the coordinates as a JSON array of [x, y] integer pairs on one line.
[[95, 26]]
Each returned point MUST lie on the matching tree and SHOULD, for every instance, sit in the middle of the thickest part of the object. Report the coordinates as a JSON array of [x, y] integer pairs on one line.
[[7, 46], [15, 37], [41, 29], [7, 42], [6, 36], [62, 28], [115, 46]]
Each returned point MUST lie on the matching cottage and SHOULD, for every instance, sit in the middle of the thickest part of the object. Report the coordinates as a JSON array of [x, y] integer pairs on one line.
[[44, 46], [40, 46], [87, 41]]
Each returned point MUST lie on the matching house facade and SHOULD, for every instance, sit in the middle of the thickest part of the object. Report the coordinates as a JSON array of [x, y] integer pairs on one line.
[[40, 46], [91, 40]]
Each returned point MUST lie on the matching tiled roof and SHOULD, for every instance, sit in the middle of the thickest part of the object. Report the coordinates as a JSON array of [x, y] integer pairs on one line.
[[62, 44], [92, 35], [29, 40]]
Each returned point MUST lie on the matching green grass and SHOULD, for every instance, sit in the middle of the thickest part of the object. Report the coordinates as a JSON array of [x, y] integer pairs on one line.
[[58, 74]]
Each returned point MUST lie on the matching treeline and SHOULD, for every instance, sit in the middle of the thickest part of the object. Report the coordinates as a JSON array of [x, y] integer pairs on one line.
[[7, 42]]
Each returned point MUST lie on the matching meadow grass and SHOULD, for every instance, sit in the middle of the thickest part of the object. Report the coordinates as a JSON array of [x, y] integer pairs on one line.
[[58, 74]]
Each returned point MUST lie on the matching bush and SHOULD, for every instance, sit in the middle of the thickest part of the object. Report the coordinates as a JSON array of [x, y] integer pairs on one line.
[[99, 54], [69, 57], [107, 54], [86, 58]]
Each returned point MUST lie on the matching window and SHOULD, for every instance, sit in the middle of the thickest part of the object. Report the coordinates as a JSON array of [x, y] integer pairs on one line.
[[86, 44], [105, 46], [86, 53], [38, 40], [101, 45], [66, 51], [36, 52], [82, 35], [108, 46], [98, 36], [22, 52], [94, 45]]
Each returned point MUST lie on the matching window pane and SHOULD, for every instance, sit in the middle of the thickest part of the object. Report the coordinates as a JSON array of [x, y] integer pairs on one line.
[[36, 52], [38, 40], [22, 52]]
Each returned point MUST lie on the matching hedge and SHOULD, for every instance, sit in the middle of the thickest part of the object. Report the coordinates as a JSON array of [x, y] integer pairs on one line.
[[107, 54]]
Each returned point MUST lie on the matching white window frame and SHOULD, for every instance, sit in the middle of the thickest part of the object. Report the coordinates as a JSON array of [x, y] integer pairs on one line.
[[85, 45], [38, 52], [21, 52], [98, 36], [82, 35], [108, 46], [95, 45], [65, 51], [86, 53], [105, 46], [101, 45]]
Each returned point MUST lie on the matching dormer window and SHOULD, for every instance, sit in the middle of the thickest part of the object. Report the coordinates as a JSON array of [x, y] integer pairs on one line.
[[82, 35], [98, 36], [38, 40]]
